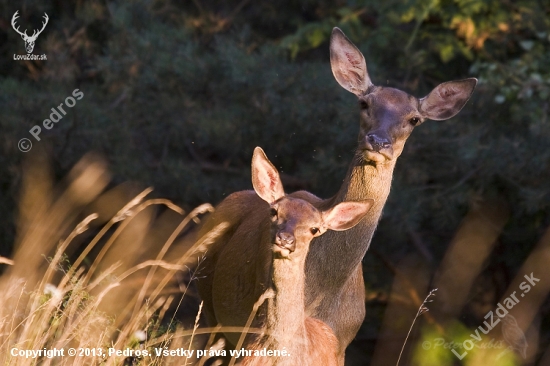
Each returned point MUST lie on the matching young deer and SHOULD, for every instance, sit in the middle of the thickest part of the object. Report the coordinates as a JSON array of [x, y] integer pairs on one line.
[[278, 232], [334, 280]]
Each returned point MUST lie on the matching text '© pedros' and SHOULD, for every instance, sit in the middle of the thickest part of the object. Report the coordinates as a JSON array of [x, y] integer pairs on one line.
[[57, 114]]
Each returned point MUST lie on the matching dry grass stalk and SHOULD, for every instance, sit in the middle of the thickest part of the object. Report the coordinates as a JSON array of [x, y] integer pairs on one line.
[[421, 310], [50, 306]]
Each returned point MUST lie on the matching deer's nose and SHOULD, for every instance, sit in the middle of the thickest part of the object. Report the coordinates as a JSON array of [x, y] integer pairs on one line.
[[287, 241], [378, 142]]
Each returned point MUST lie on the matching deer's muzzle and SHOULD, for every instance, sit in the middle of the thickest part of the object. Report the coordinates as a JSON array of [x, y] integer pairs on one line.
[[377, 147], [286, 241]]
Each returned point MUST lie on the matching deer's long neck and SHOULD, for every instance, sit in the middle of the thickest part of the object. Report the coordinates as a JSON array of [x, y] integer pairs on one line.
[[286, 313], [363, 181]]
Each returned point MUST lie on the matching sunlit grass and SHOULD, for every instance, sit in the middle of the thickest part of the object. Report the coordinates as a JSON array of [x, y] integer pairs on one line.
[[50, 303]]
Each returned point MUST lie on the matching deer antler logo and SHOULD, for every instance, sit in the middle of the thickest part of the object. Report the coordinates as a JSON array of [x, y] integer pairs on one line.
[[29, 40]]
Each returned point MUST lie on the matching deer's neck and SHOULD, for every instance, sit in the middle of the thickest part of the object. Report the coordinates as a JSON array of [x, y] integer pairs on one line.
[[365, 181], [362, 182], [286, 313]]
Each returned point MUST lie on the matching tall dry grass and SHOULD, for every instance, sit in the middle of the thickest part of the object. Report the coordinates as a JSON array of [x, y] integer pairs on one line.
[[117, 291]]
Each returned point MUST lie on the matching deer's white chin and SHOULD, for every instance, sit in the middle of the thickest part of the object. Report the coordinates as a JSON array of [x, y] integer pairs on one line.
[[376, 156], [280, 252]]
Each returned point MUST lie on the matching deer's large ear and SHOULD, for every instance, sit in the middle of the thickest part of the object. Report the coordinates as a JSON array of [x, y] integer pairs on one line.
[[348, 64], [265, 177], [346, 215], [447, 99]]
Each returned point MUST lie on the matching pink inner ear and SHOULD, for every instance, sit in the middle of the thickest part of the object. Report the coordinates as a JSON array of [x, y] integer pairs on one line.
[[265, 178], [448, 92], [272, 182], [354, 61], [345, 216]]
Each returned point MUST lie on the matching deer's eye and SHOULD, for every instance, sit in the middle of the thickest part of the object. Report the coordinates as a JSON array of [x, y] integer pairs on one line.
[[273, 212], [314, 230], [414, 121], [363, 105]]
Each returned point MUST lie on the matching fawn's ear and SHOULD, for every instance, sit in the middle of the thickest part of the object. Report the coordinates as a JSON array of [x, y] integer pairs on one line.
[[346, 215], [348, 64], [447, 99], [265, 178]]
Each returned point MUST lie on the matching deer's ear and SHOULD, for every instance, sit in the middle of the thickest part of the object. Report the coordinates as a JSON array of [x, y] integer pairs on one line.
[[265, 178], [346, 215], [348, 64], [447, 99]]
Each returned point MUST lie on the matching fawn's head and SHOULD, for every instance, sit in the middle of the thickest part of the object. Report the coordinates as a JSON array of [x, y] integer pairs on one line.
[[295, 222], [389, 115]]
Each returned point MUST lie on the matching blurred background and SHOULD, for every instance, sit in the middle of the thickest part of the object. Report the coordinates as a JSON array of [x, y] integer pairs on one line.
[[178, 93]]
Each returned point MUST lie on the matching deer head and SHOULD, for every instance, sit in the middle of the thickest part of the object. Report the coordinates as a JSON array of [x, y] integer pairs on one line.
[[295, 222], [388, 115], [29, 40]]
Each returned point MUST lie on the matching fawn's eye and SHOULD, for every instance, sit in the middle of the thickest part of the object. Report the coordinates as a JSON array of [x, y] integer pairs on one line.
[[363, 105], [314, 230], [414, 121], [273, 212]]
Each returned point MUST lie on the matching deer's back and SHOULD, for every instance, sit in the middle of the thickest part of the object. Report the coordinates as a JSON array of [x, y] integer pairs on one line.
[[233, 275]]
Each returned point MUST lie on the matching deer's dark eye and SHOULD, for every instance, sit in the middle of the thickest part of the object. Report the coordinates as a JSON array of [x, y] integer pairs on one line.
[[414, 121], [363, 105], [273, 212], [314, 230]]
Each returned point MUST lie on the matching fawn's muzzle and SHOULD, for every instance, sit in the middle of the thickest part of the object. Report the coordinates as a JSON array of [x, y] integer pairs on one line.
[[286, 241]]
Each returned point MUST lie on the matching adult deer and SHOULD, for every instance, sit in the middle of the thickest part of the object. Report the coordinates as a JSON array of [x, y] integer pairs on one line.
[[277, 233], [334, 280]]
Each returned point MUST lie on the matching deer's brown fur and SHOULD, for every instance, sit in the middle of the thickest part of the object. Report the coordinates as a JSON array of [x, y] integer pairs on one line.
[[334, 280], [275, 238]]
